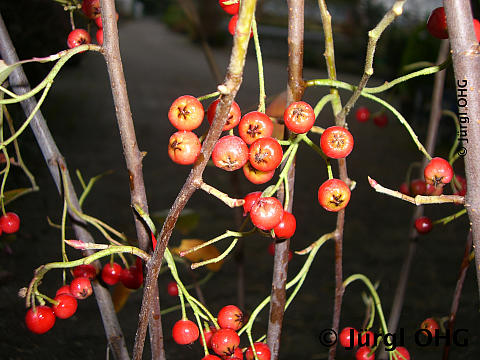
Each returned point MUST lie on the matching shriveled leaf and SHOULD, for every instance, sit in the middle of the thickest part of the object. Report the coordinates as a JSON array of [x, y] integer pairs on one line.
[[187, 221], [120, 296], [11, 195], [205, 253]]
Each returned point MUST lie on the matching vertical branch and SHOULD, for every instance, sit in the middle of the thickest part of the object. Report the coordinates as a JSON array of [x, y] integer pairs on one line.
[[228, 89], [131, 152], [54, 160], [295, 89], [466, 65]]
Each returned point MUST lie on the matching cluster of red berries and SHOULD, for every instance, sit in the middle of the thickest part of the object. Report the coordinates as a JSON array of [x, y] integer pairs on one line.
[[350, 338], [363, 114], [9, 223], [224, 341], [437, 24], [131, 277]]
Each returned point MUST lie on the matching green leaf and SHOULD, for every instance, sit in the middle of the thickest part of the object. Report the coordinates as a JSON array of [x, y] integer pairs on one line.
[[5, 70], [187, 221]]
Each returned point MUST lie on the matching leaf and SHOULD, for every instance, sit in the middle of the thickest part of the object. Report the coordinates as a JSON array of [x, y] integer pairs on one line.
[[206, 253], [187, 221], [10, 195], [120, 296], [5, 70]]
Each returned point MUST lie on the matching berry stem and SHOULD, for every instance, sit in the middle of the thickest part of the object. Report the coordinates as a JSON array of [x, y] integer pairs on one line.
[[261, 76], [208, 96], [447, 219], [7, 161], [182, 304], [321, 104], [216, 259]]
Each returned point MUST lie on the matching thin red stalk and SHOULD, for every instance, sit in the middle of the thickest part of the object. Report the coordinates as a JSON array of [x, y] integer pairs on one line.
[[295, 89], [54, 160], [229, 89], [466, 66], [458, 292]]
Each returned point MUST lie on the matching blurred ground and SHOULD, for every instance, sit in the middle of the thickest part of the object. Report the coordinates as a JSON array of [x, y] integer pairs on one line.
[[159, 66]]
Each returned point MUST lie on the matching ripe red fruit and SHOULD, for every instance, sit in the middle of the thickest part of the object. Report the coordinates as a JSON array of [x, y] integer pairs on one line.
[[380, 120], [250, 199], [91, 8], [85, 270], [81, 288], [78, 37], [233, 118], [211, 357], [66, 307], [286, 228], [362, 114], [266, 154], [237, 355], [132, 278], [185, 332], [423, 225], [432, 190], [404, 189], [401, 353], [225, 341], [262, 350], [9, 223], [111, 273], [208, 333], [255, 125], [99, 36], [230, 153], [437, 23], [418, 187], [271, 251], [98, 21], [438, 172], [348, 337], [186, 113], [266, 213], [256, 176], [430, 324], [65, 289], [184, 147], [333, 195], [231, 9], [41, 320], [299, 117], [462, 189], [232, 25], [172, 288], [367, 339], [476, 27], [230, 317], [363, 353], [336, 142]]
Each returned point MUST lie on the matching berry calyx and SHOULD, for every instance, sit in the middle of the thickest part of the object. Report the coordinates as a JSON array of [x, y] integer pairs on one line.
[[401, 353], [233, 117], [184, 147], [231, 9], [225, 341], [380, 120], [85, 270], [230, 317], [111, 273], [266, 213], [185, 332], [362, 114], [334, 195], [41, 320], [255, 125], [423, 225], [9, 223], [172, 288], [348, 337], [266, 154], [438, 172], [78, 37], [363, 353], [286, 228], [66, 307], [262, 350], [81, 288], [437, 23], [186, 113], [430, 325], [299, 117], [336, 142], [230, 153]]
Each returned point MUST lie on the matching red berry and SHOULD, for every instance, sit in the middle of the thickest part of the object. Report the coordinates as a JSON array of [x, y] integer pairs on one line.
[[78, 37], [231, 9], [233, 117], [132, 278], [286, 228], [404, 189], [348, 337], [185, 332], [65, 289], [437, 23], [438, 172], [363, 353], [250, 199], [256, 176], [232, 25], [81, 288], [462, 189], [211, 357], [367, 339], [476, 27], [91, 8], [208, 333], [225, 341], [333, 195], [432, 190], [99, 36], [255, 125], [9, 223], [184, 147], [299, 117], [336, 142], [237, 355], [380, 120], [41, 320], [66, 307], [418, 187], [111, 273], [85, 270], [401, 353], [186, 113], [362, 114], [265, 154], [266, 213], [423, 225], [230, 153], [431, 325], [98, 21], [230, 317], [262, 350], [172, 288]]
